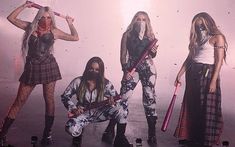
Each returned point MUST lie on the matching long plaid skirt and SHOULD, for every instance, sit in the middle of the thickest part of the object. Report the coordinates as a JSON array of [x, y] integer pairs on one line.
[[200, 118], [41, 70]]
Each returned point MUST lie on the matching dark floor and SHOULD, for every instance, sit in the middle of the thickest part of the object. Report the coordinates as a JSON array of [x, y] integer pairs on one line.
[[30, 121]]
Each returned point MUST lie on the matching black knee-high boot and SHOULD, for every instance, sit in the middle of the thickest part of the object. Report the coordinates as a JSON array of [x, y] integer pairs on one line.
[[151, 120], [46, 138], [77, 141], [109, 132], [120, 139], [5, 127]]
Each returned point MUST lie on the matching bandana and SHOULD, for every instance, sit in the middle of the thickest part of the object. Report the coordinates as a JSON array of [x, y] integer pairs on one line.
[[44, 25], [91, 75], [203, 35], [140, 29]]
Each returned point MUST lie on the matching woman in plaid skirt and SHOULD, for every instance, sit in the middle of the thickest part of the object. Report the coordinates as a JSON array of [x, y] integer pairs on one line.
[[40, 67], [200, 122]]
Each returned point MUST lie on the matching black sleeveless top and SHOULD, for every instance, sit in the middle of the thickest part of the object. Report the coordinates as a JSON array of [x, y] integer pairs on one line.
[[40, 46], [136, 46]]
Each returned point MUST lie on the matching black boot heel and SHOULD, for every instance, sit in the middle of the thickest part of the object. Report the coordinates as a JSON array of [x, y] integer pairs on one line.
[[77, 141]]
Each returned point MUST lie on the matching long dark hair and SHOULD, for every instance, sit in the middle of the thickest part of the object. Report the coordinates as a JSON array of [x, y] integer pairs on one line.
[[100, 85]]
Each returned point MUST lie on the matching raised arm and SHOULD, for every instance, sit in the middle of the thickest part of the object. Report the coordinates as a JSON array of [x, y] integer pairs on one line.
[[219, 51], [73, 36], [17, 22]]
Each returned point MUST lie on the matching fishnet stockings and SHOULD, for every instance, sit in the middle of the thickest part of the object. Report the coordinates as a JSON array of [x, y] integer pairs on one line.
[[22, 96], [48, 94], [23, 93]]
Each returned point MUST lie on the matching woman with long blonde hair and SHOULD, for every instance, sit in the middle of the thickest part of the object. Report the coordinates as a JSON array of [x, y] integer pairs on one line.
[[200, 122], [134, 41], [40, 65]]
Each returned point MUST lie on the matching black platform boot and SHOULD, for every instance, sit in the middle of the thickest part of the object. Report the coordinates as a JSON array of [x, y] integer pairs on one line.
[[47, 138], [109, 132], [120, 139], [5, 126], [152, 130], [77, 141]]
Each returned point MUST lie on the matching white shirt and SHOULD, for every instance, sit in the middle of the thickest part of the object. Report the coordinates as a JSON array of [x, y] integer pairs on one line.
[[205, 54]]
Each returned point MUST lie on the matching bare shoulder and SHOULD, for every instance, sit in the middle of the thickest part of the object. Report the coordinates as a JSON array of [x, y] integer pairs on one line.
[[217, 39]]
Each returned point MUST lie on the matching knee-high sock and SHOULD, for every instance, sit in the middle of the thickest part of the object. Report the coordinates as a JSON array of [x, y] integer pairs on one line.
[[5, 126], [49, 120]]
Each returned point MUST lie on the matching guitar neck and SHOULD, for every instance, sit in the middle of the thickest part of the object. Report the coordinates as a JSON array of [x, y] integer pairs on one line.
[[102, 103]]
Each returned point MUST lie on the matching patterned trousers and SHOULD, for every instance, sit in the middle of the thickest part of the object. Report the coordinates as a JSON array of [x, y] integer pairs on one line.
[[146, 73], [74, 126]]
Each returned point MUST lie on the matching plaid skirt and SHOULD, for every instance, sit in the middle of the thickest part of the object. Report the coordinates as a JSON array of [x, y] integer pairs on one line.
[[200, 118], [40, 70]]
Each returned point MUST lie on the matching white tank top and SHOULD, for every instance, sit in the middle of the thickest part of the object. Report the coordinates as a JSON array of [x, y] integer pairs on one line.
[[205, 54]]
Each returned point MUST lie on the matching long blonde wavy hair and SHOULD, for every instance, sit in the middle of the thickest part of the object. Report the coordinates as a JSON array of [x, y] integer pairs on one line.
[[33, 27], [149, 31], [210, 27]]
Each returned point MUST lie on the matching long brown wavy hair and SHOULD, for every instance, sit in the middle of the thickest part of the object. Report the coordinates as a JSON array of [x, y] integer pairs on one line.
[[100, 85], [210, 27]]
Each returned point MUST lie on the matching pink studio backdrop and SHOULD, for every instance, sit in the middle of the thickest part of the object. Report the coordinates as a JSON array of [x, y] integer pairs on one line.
[[100, 24]]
